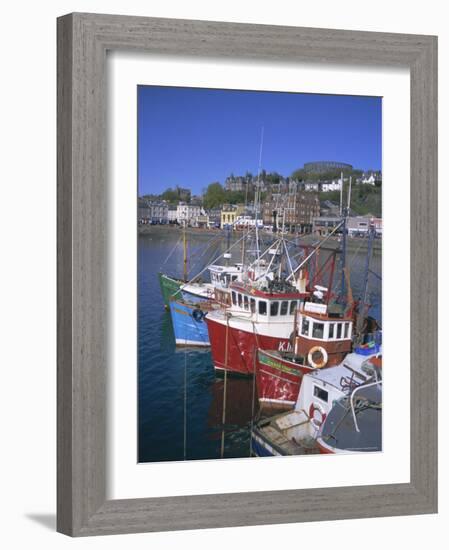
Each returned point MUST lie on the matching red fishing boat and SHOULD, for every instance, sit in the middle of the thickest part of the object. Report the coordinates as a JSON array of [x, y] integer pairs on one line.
[[322, 338], [324, 333], [260, 316]]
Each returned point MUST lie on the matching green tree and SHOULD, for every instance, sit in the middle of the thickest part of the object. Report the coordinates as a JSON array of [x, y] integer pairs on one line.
[[170, 195], [214, 195]]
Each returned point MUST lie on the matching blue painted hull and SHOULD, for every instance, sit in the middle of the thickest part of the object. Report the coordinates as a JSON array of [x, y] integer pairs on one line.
[[261, 446], [189, 324]]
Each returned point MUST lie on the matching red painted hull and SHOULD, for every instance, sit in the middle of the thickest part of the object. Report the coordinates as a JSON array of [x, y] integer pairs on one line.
[[278, 380], [241, 347]]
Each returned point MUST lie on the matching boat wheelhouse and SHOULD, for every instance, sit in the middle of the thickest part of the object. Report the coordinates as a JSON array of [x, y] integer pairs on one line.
[[354, 423], [260, 315], [322, 337], [296, 431], [217, 289]]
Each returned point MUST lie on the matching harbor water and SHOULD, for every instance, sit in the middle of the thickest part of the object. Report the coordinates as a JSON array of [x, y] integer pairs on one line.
[[180, 397]]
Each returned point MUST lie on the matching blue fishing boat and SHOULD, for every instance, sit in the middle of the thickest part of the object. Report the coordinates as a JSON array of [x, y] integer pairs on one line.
[[188, 322]]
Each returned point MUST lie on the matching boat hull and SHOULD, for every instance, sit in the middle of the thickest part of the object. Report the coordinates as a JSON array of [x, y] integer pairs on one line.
[[234, 349], [278, 380], [170, 287], [189, 324], [262, 446]]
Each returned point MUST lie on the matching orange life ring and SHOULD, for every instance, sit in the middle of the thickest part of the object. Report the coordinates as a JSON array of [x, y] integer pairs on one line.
[[317, 407], [320, 364]]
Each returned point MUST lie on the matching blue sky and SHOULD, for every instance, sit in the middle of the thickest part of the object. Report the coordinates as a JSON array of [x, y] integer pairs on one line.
[[192, 137]]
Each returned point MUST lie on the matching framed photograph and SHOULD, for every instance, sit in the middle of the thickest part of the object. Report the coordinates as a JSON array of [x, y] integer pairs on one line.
[[246, 229]]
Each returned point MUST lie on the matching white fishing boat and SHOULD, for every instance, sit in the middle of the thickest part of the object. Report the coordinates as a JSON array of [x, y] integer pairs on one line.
[[297, 431]]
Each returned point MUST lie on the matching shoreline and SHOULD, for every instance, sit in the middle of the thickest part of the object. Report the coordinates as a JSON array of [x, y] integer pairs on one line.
[[309, 238]]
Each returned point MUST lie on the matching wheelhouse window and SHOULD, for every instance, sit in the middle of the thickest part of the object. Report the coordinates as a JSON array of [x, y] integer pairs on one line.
[[253, 305], [346, 330], [274, 308], [262, 307], [234, 298], [240, 299], [293, 305], [284, 308], [320, 393], [339, 330], [331, 330], [305, 327], [318, 331], [245, 302]]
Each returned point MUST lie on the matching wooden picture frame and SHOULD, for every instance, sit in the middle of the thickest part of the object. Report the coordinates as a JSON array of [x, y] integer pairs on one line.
[[83, 40]]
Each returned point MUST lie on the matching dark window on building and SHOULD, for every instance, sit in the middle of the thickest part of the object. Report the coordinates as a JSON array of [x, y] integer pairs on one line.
[[320, 393], [318, 331], [284, 308], [262, 307]]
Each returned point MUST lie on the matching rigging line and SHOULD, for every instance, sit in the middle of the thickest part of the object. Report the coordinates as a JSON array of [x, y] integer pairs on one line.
[[172, 250], [216, 259], [253, 406], [316, 249], [353, 256], [225, 386], [185, 405]]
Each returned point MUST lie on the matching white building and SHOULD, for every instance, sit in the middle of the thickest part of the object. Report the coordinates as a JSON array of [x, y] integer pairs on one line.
[[188, 213], [248, 221], [311, 186], [369, 180], [172, 215], [334, 185]]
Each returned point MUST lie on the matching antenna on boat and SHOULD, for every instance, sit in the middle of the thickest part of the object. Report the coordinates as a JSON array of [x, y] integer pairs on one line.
[[341, 194], [349, 193], [256, 196]]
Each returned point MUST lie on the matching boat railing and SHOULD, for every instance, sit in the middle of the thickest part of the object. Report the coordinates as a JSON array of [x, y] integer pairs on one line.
[[351, 400]]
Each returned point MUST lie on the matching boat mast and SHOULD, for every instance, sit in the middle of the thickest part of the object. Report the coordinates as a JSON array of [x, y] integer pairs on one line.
[[362, 305], [344, 210], [185, 251]]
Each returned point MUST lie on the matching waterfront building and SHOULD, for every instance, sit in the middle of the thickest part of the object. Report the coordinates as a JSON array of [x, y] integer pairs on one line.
[[187, 213], [245, 221], [214, 215], [323, 225], [172, 214], [296, 210], [311, 186], [333, 185], [152, 211], [229, 214], [143, 211], [358, 225], [239, 183], [159, 212]]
